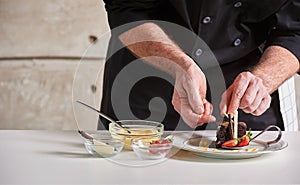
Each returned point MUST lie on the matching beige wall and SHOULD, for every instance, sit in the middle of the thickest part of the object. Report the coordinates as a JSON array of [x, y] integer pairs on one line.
[[46, 28], [41, 70]]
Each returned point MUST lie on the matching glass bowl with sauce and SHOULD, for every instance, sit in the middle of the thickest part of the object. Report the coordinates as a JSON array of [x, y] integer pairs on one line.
[[141, 129], [103, 144]]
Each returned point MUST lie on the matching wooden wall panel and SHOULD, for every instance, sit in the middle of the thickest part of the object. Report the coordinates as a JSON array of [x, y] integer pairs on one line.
[[40, 94], [55, 28]]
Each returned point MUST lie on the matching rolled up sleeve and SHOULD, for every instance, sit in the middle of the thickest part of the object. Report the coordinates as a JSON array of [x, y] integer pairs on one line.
[[287, 29], [121, 12]]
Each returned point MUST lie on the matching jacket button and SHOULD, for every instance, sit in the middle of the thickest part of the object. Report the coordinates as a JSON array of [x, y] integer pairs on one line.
[[206, 20], [237, 42], [198, 52], [237, 4]]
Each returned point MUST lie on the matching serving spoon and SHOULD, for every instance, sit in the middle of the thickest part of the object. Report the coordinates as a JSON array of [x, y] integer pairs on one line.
[[268, 128], [86, 135]]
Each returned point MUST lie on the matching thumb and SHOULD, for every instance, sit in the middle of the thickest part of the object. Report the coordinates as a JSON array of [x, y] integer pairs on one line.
[[195, 100], [211, 119]]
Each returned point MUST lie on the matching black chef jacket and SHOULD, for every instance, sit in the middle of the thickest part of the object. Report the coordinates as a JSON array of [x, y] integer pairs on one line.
[[236, 31]]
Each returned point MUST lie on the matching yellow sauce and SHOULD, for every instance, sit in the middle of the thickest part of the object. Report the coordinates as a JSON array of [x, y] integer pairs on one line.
[[147, 135], [138, 132], [251, 149], [204, 148]]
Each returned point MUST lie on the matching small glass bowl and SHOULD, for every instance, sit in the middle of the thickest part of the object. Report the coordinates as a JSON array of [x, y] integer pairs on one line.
[[104, 145], [147, 150], [145, 130]]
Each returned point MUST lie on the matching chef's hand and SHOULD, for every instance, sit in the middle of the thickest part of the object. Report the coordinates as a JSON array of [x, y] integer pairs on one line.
[[189, 97], [247, 93]]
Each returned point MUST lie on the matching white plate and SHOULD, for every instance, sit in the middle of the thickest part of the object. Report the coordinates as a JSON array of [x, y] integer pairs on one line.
[[204, 145]]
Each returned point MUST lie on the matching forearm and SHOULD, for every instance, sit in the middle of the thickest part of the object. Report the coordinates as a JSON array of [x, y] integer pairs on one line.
[[276, 66], [150, 42]]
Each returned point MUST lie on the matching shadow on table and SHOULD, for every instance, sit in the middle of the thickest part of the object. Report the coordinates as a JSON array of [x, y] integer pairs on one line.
[[64, 148], [68, 154]]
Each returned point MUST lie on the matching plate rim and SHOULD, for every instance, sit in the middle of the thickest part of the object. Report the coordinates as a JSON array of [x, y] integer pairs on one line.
[[224, 153]]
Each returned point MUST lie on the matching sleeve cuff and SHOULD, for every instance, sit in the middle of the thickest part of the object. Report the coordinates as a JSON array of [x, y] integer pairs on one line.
[[291, 43]]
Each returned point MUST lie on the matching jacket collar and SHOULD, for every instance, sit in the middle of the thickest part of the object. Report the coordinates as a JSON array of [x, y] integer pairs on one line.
[[180, 6]]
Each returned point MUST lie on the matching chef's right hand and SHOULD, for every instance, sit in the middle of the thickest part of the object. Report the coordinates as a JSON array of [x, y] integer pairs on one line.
[[247, 93], [189, 97]]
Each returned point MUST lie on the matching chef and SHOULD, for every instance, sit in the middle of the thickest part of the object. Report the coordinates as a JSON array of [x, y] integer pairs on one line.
[[186, 63]]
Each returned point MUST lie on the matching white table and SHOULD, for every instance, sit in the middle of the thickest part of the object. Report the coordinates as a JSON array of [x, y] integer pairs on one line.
[[59, 157]]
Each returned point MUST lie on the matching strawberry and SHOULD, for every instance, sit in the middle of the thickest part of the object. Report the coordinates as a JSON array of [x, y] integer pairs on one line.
[[154, 142], [158, 144], [245, 139], [166, 141], [153, 151], [230, 143]]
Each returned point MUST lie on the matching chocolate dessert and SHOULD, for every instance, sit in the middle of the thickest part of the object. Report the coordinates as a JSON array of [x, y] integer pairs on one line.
[[225, 131]]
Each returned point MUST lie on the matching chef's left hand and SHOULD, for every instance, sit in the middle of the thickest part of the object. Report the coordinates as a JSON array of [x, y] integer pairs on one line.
[[247, 93]]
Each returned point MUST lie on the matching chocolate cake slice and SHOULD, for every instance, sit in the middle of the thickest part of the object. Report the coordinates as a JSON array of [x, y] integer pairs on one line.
[[225, 132]]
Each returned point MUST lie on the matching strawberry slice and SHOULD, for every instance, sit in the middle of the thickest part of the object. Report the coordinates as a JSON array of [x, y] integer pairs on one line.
[[245, 139], [166, 143], [152, 150], [159, 144], [230, 143], [154, 144]]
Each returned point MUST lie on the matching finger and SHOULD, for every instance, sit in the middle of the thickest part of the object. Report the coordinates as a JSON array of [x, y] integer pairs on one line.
[[206, 116], [208, 108], [192, 119], [264, 105], [205, 119], [226, 96], [211, 108], [176, 102], [194, 99], [195, 120], [239, 88], [209, 119], [249, 95], [257, 101]]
